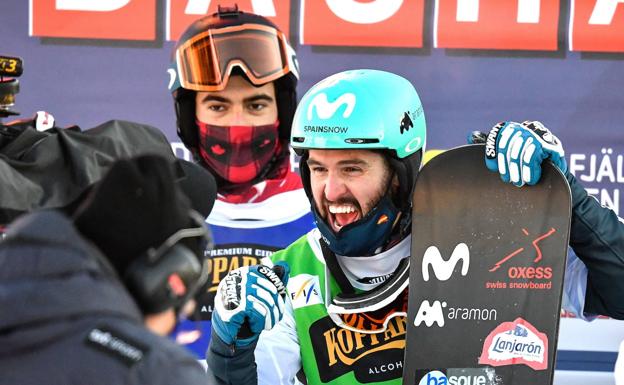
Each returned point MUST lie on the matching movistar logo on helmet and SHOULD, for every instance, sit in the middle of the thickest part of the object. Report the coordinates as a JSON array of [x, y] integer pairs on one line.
[[326, 110]]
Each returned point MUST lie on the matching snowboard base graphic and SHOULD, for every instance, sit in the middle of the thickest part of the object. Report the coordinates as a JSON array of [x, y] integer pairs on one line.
[[486, 274]]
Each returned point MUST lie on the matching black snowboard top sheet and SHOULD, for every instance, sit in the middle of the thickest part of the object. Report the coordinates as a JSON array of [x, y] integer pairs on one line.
[[486, 274]]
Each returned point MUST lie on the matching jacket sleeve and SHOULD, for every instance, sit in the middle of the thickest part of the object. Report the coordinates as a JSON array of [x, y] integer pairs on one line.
[[229, 365], [276, 359], [597, 238], [574, 288], [278, 353]]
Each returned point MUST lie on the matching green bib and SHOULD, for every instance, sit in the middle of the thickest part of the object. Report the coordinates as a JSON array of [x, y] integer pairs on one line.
[[330, 354]]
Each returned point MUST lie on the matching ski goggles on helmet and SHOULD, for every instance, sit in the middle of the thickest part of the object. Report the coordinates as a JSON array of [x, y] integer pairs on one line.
[[371, 312], [205, 62]]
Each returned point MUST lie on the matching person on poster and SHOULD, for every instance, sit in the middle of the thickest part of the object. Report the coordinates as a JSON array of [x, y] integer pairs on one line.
[[361, 151], [233, 81], [91, 296]]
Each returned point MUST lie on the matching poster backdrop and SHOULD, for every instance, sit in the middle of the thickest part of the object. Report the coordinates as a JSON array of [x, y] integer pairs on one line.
[[474, 63]]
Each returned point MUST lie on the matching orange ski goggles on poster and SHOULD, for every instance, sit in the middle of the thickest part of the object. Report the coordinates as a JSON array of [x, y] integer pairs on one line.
[[205, 62]]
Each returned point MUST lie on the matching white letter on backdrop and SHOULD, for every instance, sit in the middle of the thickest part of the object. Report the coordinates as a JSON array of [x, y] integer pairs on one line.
[[603, 12], [260, 7], [98, 6], [364, 13]]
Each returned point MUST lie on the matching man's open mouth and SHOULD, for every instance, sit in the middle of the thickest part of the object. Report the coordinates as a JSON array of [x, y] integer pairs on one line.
[[340, 215]]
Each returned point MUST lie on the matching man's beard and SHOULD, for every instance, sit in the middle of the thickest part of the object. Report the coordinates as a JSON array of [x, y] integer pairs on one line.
[[370, 204]]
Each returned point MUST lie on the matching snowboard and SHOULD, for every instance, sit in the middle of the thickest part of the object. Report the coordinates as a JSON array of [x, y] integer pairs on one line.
[[486, 274]]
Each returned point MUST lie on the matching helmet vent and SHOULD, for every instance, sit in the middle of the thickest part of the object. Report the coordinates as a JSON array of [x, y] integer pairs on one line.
[[225, 11], [361, 140]]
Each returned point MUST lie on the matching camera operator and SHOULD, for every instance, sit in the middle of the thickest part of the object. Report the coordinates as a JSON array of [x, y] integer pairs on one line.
[[89, 298]]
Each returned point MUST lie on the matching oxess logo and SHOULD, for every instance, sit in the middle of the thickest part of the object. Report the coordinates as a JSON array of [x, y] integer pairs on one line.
[[513, 343], [326, 110], [304, 290], [527, 276]]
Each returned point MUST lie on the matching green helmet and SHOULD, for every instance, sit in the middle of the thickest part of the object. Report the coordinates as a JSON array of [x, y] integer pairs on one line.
[[361, 109]]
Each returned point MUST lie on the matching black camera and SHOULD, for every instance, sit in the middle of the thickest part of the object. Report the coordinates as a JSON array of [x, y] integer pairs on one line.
[[11, 68]]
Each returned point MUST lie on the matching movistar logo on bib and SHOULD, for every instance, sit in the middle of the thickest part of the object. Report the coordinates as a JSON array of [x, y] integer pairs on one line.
[[304, 290]]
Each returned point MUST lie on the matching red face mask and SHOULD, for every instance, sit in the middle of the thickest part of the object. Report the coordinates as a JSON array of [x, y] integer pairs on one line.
[[238, 153]]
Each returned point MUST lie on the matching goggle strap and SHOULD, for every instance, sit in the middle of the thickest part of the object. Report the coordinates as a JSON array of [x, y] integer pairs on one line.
[[394, 286], [336, 308], [340, 323]]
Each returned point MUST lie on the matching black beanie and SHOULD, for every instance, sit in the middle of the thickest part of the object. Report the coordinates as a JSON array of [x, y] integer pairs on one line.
[[136, 206]]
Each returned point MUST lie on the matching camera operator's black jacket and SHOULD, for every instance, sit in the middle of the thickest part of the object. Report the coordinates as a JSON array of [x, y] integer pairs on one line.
[[65, 317]]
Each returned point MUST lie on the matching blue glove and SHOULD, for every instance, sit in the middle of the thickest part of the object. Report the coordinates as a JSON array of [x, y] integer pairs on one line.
[[517, 151], [249, 300]]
